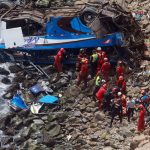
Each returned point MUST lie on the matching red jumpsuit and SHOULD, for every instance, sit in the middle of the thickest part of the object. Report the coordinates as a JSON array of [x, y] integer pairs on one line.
[[122, 85], [120, 71], [141, 121], [100, 95], [79, 59], [83, 74], [105, 70], [57, 61], [101, 56]]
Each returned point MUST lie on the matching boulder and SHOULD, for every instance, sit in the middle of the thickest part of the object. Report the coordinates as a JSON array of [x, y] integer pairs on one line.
[[137, 140], [5, 80], [48, 140], [54, 130], [99, 116], [14, 69], [4, 72], [38, 122]]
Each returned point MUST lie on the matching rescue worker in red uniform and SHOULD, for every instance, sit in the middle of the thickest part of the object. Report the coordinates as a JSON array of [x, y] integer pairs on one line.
[[100, 94], [141, 121], [83, 73], [105, 69], [121, 83], [79, 59], [120, 69], [58, 60], [101, 56]]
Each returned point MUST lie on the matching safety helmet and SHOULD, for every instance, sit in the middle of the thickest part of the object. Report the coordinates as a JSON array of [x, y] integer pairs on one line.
[[121, 78], [119, 62], [141, 106], [99, 48], [119, 93], [105, 59], [142, 91], [81, 50], [62, 50]]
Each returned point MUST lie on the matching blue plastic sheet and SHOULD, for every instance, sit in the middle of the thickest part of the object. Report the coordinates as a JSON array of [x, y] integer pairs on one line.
[[17, 101], [36, 89], [48, 99]]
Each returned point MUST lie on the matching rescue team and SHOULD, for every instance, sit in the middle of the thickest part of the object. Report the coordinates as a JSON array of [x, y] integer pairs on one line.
[[115, 100]]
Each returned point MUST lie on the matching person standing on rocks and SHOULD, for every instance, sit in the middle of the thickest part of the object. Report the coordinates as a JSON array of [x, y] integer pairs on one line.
[[130, 107], [108, 96], [106, 68], [58, 60], [83, 73], [81, 55], [116, 110], [141, 120], [121, 83], [94, 62], [100, 94], [120, 70]]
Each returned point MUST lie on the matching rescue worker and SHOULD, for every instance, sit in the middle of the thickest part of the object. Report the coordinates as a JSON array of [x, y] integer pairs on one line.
[[120, 70], [100, 94], [108, 96], [130, 107], [58, 60], [116, 109], [141, 120], [144, 99], [83, 72], [79, 58], [94, 62], [98, 82], [105, 69], [121, 83], [101, 56]]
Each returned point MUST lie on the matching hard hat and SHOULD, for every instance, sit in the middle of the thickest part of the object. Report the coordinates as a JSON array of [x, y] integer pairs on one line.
[[99, 48], [62, 49], [105, 59], [119, 93], [81, 50], [103, 81], [121, 78], [141, 106], [142, 91], [119, 62]]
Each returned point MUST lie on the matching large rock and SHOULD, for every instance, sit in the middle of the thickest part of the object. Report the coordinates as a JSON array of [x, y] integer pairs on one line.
[[99, 116], [5, 80], [137, 140], [48, 140], [14, 69], [3, 71]]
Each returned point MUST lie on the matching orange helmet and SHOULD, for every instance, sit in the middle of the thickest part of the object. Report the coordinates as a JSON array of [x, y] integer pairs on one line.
[[105, 59], [121, 78]]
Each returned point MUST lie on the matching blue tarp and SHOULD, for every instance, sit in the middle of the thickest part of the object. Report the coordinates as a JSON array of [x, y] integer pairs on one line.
[[48, 99], [17, 101], [36, 89]]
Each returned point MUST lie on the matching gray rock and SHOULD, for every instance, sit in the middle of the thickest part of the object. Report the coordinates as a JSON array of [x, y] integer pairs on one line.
[[26, 131], [94, 137], [4, 72], [14, 69], [8, 96], [54, 131], [38, 121], [99, 116], [48, 140], [18, 139], [5, 80], [77, 113]]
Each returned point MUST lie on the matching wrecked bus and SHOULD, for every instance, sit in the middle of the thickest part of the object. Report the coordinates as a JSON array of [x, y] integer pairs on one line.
[[36, 35]]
